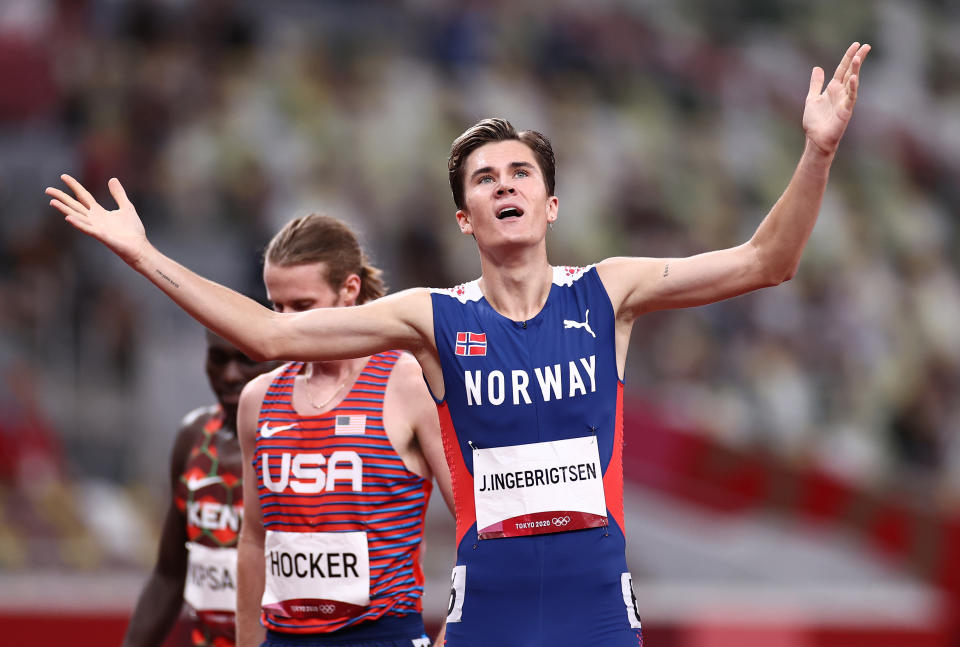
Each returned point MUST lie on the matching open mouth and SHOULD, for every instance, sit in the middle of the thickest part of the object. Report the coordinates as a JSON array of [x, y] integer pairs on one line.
[[509, 212]]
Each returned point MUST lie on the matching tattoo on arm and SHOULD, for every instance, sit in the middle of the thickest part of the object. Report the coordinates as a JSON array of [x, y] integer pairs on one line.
[[666, 269], [171, 281]]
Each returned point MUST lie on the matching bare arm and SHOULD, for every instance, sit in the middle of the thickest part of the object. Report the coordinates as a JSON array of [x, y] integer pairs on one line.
[[771, 256], [441, 634], [402, 320], [159, 604], [250, 560], [429, 437], [432, 445], [415, 434]]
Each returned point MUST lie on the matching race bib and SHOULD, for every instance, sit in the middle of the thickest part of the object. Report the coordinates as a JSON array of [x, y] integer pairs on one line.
[[317, 574], [539, 488], [211, 586]]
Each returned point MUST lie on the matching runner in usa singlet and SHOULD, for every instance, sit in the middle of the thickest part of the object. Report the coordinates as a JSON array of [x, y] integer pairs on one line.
[[532, 428], [210, 496], [343, 515]]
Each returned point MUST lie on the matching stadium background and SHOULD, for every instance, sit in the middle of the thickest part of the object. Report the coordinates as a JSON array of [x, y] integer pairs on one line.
[[792, 456]]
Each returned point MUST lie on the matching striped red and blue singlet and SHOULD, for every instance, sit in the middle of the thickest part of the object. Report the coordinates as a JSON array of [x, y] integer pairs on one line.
[[210, 495], [389, 505]]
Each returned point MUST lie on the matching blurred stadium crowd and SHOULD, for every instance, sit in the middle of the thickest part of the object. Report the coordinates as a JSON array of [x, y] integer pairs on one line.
[[676, 126]]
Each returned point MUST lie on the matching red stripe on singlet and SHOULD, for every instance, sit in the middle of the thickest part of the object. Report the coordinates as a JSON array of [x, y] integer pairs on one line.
[[460, 477], [613, 478]]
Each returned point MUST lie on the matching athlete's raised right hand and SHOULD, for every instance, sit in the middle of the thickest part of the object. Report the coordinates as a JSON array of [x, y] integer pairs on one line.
[[120, 229]]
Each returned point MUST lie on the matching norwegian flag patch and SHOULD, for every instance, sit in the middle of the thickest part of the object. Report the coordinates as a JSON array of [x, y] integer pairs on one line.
[[471, 344]]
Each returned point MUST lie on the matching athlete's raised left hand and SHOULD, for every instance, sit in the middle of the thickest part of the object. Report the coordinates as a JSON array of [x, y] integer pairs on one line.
[[828, 110]]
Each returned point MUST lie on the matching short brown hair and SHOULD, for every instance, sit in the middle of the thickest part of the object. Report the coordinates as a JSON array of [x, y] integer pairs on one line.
[[487, 131], [323, 239]]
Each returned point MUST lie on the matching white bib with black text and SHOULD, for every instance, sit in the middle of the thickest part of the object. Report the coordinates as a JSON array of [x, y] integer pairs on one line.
[[317, 574], [211, 584], [539, 488]]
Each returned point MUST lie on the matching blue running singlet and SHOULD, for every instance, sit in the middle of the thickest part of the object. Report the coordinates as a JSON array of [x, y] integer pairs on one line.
[[533, 430]]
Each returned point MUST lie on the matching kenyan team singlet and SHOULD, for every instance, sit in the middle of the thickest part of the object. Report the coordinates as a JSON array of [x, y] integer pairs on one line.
[[533, 432], [343, 515], [210, 495]]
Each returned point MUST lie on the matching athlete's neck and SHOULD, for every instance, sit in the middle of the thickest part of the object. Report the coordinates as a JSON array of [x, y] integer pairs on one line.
[[518, 293], [228, 422], [324, 384], [229, 427], [333, 371]]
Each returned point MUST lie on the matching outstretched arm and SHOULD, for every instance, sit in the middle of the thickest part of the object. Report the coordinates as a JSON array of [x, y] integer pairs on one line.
[[398, 321], [771, 256], [781, 237]]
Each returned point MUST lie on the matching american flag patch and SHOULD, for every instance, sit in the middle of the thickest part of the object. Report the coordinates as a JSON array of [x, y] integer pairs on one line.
[[354, 425], [471, 343]]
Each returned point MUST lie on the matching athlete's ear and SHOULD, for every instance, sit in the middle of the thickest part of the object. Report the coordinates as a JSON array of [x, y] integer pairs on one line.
[[553, 208], [463, 220], [350, 290]]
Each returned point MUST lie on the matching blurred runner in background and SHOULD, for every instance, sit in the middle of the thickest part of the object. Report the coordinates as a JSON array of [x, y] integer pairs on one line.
[[197, 557]]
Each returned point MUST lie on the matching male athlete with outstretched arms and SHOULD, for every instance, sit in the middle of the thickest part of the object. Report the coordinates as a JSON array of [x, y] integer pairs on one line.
[[528, 383]]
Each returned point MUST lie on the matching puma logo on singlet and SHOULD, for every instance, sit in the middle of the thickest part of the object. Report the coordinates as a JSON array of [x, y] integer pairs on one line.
[[266, 430], [585, 324]]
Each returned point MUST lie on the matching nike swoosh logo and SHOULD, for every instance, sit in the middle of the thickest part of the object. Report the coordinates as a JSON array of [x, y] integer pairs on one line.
[[266, 430], [194, 484]]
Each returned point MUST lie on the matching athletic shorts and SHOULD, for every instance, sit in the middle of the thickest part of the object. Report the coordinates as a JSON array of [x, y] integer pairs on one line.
[[388, 631]]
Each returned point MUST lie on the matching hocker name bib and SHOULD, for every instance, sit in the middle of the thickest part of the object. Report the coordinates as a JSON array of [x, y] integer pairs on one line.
[[316, 575]]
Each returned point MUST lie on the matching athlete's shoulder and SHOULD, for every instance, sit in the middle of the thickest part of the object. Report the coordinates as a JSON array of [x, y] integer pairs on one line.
[[463, 293], [402, 319], [407, 386], [402, 303], [566, 275], [251, 400], [257, 387], [195, 420], [190, 435], [406, 367], [629, 279], [610, 267]]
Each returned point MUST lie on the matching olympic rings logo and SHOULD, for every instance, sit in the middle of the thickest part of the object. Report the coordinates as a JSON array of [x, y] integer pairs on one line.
[[327, 609], [560, 521]]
